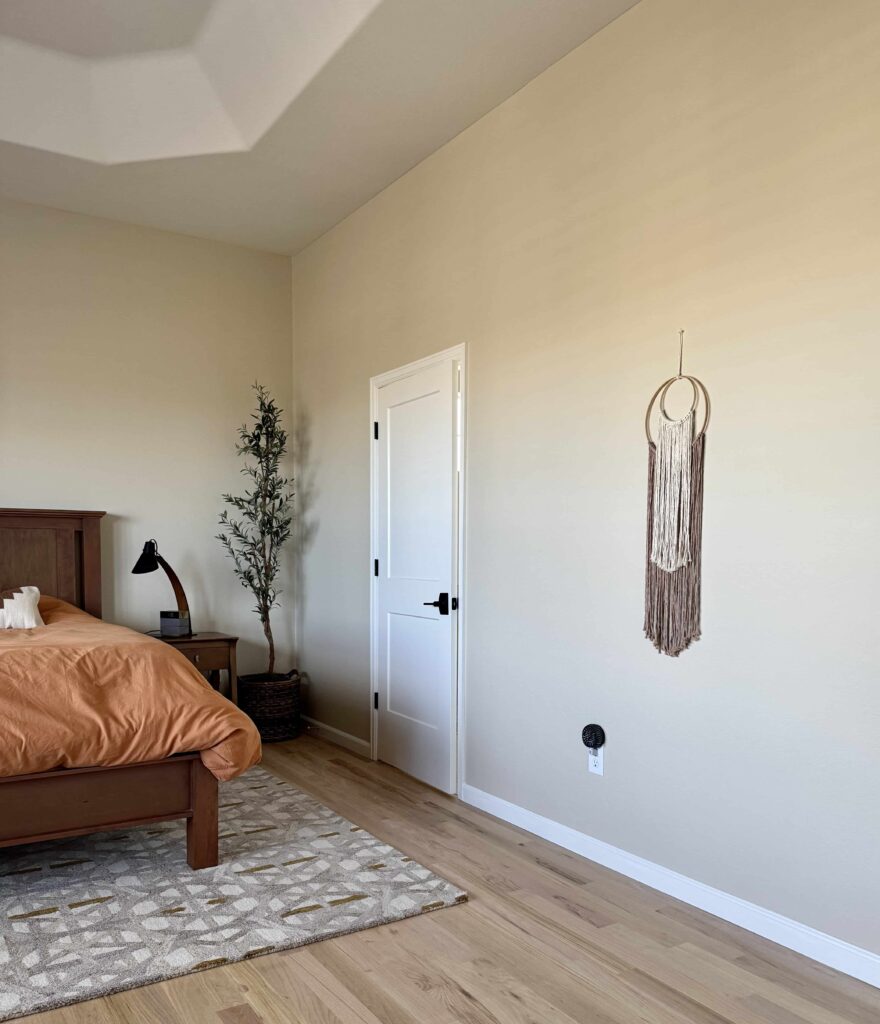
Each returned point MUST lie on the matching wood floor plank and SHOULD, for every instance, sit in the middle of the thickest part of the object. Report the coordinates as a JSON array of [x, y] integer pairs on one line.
[[367, 986], [278, 988], [546, 938], [242, 1014]]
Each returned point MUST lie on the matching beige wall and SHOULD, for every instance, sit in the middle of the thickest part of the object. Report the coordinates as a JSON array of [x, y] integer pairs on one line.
[[699, 163], [126, 358]]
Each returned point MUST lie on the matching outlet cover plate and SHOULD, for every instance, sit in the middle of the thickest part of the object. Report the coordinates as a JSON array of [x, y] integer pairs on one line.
[[597, 761]]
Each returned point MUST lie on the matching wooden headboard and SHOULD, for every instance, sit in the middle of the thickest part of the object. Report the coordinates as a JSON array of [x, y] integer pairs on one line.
[[53, 549]]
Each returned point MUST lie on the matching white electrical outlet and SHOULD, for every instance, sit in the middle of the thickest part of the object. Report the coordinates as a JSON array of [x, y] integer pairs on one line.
[[597, 761]]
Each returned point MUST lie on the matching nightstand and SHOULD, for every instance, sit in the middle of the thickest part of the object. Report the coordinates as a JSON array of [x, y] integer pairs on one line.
[[211, 653]]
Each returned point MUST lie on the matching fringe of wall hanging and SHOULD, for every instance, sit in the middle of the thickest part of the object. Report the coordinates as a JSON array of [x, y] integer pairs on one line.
[[675, 521]]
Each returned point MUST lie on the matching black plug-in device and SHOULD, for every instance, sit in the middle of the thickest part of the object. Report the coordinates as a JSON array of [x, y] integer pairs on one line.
[[593, 736]]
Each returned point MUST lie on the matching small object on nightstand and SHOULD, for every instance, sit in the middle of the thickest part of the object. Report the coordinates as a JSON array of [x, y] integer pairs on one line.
[[211, 653]]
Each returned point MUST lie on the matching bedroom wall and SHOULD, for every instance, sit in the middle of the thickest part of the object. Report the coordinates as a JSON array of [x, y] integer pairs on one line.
[[700, 164], [126, 359]]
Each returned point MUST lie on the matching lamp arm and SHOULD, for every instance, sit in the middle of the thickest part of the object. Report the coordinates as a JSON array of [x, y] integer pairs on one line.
[[182, 604]]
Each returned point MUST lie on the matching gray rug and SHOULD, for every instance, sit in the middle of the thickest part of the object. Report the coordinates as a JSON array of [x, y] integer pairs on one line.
[[85, 917]]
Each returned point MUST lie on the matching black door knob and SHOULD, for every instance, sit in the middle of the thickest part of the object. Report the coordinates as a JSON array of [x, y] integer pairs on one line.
[[442, 603]]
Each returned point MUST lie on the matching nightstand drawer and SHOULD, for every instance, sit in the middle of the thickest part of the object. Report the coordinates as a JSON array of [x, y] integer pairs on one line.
[[206, 659], [210, 653]]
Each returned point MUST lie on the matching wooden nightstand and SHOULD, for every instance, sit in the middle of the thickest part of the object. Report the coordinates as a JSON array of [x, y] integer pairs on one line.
[[211, 653]]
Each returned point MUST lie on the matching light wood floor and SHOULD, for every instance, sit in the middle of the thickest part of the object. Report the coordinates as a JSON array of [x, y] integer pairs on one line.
[[547, 938]]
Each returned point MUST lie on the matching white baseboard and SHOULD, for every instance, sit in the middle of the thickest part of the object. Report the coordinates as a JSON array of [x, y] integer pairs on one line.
[[337, 736], [842, 956]]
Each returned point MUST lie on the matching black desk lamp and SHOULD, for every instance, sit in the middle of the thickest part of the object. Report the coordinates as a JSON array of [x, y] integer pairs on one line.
[[170, 623]]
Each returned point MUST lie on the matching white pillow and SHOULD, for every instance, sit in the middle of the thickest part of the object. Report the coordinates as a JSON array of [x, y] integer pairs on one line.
[[21, 611]]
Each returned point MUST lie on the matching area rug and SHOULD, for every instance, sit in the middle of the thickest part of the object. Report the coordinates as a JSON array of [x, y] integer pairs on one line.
[[111, 911]]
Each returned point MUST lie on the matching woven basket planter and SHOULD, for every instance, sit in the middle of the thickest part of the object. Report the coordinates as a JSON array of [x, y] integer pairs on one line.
[[273, 704]]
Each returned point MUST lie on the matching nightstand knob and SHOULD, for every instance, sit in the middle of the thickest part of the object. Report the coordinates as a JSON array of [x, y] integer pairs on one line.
[[196, 658]]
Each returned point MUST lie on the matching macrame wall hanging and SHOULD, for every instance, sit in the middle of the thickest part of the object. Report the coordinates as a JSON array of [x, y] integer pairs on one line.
[[675, 517]]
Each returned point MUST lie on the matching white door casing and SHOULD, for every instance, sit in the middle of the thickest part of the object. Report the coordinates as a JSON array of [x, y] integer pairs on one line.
[[415, 512]]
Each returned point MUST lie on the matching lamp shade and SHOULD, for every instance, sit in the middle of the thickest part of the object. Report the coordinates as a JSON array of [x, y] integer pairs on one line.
[[148, 561]]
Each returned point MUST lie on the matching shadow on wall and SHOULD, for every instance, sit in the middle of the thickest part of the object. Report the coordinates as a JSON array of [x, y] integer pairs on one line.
[[192, 571], [306, 528]]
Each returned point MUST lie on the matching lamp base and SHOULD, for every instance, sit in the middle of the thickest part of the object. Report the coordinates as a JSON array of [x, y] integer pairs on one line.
[[174, 624]]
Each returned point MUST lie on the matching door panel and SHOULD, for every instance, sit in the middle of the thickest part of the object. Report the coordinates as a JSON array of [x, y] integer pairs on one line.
[[416, 529], [416, 650], [416, 508]]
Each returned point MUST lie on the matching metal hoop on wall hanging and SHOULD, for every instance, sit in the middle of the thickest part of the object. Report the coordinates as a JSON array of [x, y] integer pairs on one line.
[[675, 517], [661, 392], [699, 391]]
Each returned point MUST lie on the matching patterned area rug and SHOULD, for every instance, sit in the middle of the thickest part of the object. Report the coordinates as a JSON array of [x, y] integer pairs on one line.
[[89, 916]]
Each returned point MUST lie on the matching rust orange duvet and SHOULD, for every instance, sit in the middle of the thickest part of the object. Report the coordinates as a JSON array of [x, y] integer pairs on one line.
[[80, 692]]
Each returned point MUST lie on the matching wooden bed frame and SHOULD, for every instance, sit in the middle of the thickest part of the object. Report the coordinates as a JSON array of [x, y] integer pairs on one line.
[[60, 552]]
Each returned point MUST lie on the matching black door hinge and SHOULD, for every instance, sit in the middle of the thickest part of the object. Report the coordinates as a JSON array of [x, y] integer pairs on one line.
[[375, 566], [376, 701], [375, 430]]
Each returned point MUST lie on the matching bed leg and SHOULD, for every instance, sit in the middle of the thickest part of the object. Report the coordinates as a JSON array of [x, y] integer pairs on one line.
[[202, 827]]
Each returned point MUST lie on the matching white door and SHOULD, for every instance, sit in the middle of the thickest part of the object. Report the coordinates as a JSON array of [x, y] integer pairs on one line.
[[415, 596]]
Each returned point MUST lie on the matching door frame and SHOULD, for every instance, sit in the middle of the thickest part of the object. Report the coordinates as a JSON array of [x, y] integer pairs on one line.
[[457, 352]]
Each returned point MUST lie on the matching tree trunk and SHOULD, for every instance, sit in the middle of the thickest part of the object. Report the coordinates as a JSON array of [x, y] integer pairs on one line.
[[267, 629]]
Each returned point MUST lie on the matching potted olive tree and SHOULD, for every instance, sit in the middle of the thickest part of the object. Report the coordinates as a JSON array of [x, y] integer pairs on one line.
[[254, 530]]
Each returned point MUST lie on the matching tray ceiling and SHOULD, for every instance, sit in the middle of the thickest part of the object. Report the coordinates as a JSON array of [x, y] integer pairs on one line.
[[103, 28], [261, 122]]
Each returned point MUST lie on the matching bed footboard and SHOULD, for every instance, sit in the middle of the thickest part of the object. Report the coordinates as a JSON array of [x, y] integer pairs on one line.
[[76, 801]]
